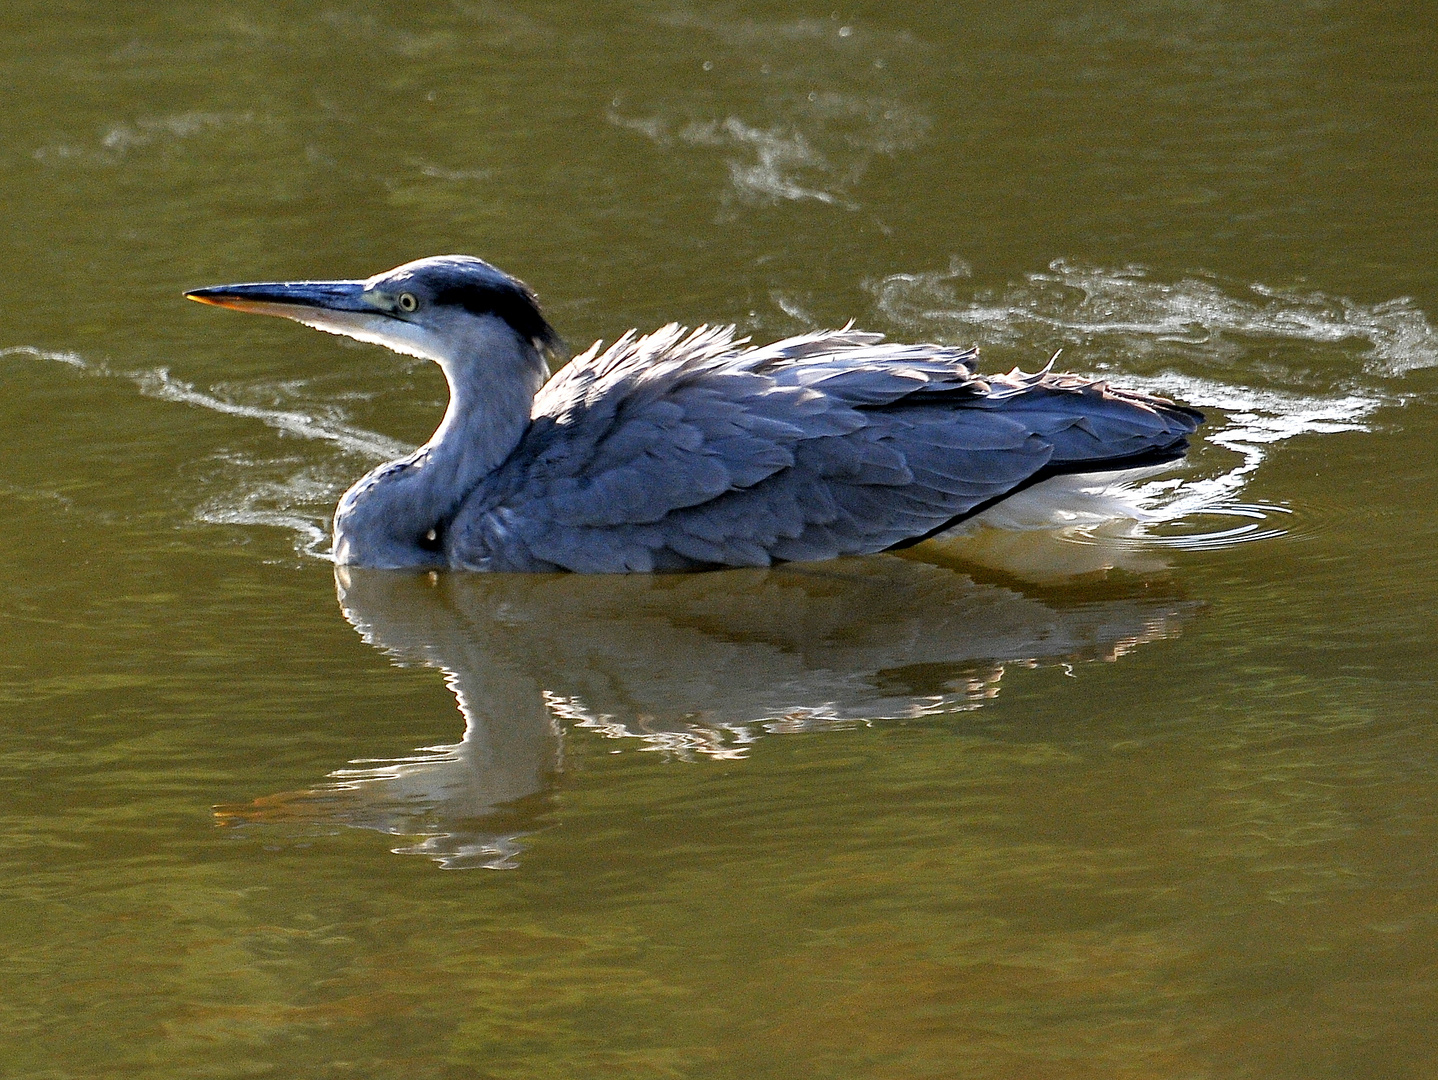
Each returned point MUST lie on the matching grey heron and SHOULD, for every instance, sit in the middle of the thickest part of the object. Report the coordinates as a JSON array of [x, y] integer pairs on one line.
[[690, 449]]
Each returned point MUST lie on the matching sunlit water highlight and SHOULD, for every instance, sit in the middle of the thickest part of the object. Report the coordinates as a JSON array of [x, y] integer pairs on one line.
[[1211, 859]]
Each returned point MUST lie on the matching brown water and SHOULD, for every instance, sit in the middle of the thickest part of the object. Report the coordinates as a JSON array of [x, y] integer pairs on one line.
[[953, 815]]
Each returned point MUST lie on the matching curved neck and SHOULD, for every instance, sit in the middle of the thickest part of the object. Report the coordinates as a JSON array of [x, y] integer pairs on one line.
[[492, 379], [397, 515]]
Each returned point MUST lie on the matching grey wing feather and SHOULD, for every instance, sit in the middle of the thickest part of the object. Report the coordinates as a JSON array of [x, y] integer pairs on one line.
[[679, 450]]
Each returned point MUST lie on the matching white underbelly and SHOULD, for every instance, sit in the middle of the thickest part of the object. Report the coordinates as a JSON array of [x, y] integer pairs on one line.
[[1075, 500], [1068, 526]]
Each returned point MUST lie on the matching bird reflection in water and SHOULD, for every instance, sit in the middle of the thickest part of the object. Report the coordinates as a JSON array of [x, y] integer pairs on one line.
[[692, 665]]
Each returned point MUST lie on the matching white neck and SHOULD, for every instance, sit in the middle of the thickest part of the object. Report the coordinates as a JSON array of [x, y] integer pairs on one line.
[[386, 519], [492, 378]]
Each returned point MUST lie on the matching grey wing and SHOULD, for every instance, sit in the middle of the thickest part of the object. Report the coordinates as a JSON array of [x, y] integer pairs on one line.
[[683, 454]]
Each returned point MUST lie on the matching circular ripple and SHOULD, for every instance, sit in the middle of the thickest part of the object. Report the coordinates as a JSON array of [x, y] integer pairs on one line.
[[1194, 531]]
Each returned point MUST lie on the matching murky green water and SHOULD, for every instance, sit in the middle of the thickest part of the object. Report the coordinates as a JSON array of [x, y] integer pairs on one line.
[[954, 815]]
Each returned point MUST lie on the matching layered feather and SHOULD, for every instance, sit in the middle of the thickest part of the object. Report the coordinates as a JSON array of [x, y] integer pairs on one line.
[[690, 449]]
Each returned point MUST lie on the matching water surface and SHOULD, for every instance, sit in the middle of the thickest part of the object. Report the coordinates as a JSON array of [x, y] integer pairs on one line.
[[983, 811]]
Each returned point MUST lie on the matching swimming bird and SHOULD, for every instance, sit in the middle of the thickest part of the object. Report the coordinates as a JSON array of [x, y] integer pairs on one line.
[[690, 449]]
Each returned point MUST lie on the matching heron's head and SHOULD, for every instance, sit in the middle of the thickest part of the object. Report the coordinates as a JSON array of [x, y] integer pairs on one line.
[[441, 308]]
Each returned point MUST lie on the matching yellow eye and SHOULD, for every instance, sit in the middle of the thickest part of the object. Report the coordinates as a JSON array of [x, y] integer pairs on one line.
[[407, 301]]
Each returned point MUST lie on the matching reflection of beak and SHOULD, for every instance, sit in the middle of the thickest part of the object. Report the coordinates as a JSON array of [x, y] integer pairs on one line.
[[299, 300]]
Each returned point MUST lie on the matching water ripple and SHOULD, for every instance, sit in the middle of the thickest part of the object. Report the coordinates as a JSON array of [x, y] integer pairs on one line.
[[1323, 365], [1133, 312], [1256, 522], [280, 491]]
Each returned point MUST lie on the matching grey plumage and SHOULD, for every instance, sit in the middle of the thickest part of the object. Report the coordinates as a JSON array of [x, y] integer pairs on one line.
[[683, 450], [680, 451]]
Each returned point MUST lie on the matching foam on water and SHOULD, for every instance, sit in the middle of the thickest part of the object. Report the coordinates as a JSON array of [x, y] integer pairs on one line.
[[830, 107], [765, 164], [122, 139], [1134, 312], [811, 145], [159, 383], [301, 501], [59, 356], [301, 497], [1249, 422], [1111, 322]]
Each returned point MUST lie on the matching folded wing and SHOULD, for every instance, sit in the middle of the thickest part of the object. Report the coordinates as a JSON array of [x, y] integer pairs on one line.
[[686, 450]]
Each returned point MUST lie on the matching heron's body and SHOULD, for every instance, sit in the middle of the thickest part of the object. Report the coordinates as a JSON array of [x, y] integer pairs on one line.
[[684, 451]]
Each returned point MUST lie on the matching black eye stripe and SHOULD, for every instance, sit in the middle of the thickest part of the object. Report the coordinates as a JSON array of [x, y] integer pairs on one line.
[[512, 302]]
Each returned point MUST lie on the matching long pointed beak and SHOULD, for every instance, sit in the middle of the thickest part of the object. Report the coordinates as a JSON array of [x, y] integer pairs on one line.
[[289, 299], [336, 307]]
